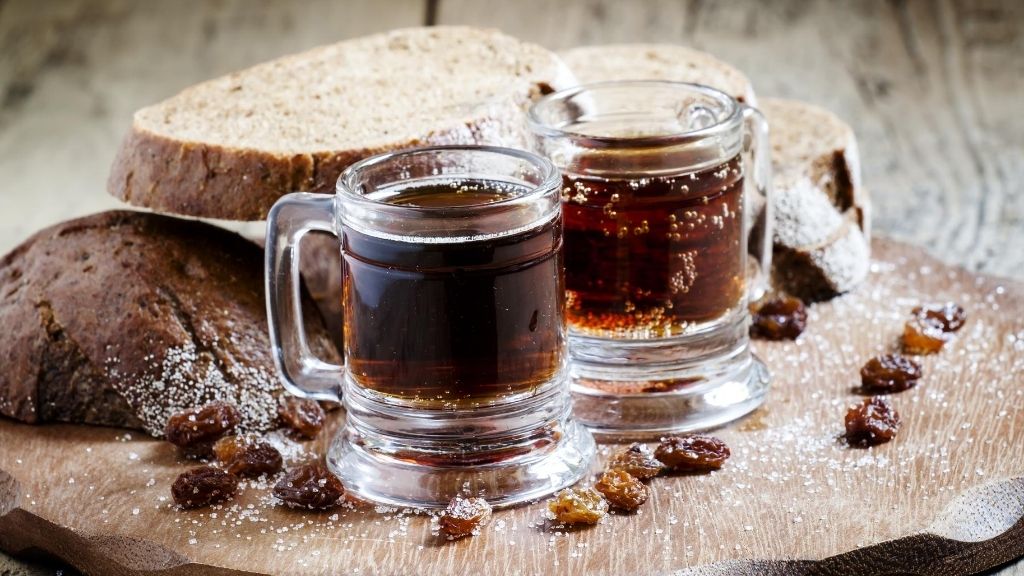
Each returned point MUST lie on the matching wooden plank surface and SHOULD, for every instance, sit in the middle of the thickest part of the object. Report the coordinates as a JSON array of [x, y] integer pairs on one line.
[[945, 497], [931, 88]]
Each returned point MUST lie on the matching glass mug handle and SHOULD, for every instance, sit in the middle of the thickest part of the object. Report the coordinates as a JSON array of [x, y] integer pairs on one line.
[[759, 198], [289, 220]]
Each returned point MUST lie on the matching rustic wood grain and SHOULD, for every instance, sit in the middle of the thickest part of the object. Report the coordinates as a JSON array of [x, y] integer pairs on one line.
[[945, 497], [73, 72]]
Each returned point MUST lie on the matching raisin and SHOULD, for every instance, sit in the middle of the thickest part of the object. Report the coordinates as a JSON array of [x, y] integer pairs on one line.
[[578, 506], [464, 516], [622, 490], [692, 453], [196, 429], [310, 486], [637, 461], [872, 422], [303, 416], [781, 317], [923, 335], [202, 486], [247, 456], [889, 373], [949, 316]]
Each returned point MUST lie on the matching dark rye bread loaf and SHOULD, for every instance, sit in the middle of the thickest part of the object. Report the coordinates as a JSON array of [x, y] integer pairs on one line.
[[228, 148], [123, 318]]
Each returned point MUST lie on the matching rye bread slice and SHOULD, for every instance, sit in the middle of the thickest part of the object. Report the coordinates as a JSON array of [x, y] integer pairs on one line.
[[821, 211], [229, 147], [123, 318], [810, 142], [657, 62]]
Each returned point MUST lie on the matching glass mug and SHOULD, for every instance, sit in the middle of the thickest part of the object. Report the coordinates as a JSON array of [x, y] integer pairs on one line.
[[455, 378], [667, 237]]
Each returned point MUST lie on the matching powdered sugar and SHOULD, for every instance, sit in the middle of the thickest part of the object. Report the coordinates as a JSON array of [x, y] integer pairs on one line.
[[184, 377]]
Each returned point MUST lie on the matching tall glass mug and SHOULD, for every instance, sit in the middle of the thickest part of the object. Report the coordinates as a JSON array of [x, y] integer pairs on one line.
[[667, 237], [456, 368]]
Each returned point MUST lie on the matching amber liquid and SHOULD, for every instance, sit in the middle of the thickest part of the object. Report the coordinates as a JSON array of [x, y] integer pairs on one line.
[[653, 257], [454, 324]]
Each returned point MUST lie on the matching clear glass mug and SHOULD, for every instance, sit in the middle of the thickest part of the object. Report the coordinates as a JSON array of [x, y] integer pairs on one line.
[[455, 378], [667, 238]]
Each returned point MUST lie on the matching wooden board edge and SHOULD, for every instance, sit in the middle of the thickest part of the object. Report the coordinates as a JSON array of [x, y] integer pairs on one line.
[[979, 530], [23, 533]]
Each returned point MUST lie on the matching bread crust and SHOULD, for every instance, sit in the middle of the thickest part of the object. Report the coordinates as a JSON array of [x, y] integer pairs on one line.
[[212, 181]]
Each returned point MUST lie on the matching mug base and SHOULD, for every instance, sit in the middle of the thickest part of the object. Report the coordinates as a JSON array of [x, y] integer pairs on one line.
[[406, 455], [644, 402]]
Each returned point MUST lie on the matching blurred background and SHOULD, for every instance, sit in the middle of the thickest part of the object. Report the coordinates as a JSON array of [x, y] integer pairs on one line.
[[933, 89]]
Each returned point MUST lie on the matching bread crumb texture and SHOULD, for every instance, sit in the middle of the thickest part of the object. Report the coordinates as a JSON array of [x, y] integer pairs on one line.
[[362, 93]]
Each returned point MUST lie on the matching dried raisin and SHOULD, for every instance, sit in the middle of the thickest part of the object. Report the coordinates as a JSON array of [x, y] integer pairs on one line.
[[198, 428], [247, 456], [303, 416], [780, 317], [889, 373], [949, 316], [578, 506], [872, 422], [692, 453], [924, 336], [637, 460], [622, 490], [310, 486], [464, 516], [203, 486]]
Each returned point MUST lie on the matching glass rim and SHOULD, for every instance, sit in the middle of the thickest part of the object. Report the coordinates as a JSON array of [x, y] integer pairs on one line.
[[550, 178], [733, 115]]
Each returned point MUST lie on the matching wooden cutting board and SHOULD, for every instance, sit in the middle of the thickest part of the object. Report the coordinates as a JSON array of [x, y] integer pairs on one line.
[[945, 497]]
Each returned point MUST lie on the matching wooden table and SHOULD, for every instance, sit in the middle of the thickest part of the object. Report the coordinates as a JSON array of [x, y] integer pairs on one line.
[[933, 89]]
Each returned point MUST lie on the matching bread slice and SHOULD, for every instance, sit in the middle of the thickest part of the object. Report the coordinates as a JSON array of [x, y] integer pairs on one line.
[[657, 62], [229, 147], [811, 142], [821, 210], [123, 318]]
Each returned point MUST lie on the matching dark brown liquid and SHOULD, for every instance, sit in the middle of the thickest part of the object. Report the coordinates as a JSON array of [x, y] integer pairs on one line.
[[454, 324], [648, 258]]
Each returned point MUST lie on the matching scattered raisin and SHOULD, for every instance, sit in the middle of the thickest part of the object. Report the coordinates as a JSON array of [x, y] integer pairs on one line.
[[949, 316], [780, 317], [303, 416], [202, 486], [692, 453], [310, 486], [889, 373], [578, 506], [622, 490], [871, 422], [637, 461], [247, 456], [197, 428], [464, 516], [923, 336]]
